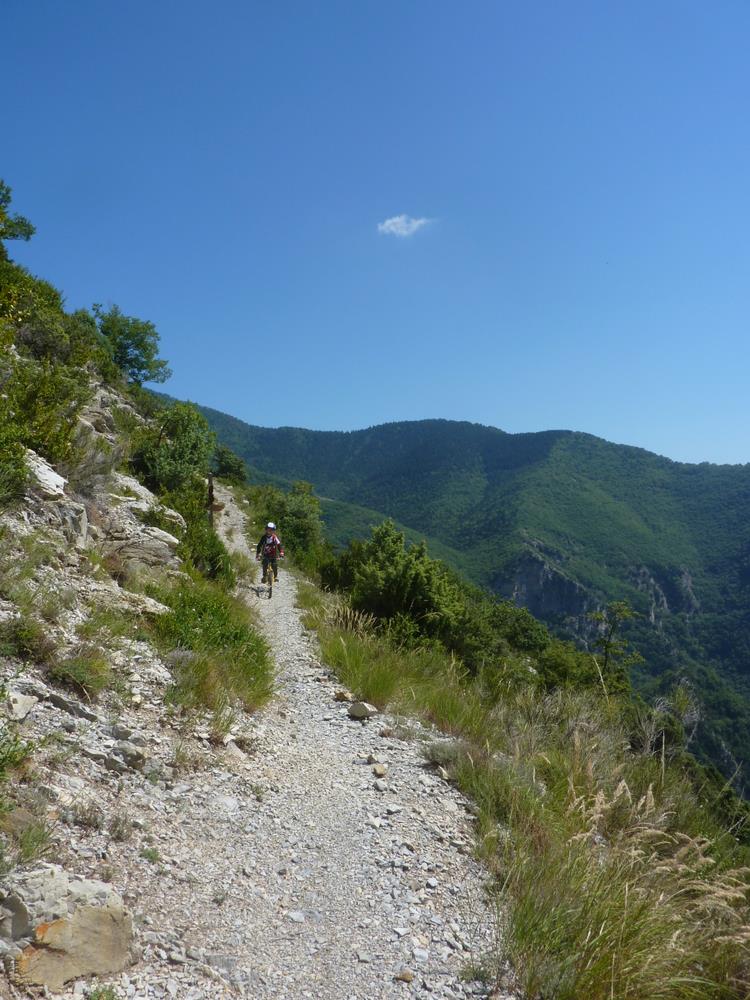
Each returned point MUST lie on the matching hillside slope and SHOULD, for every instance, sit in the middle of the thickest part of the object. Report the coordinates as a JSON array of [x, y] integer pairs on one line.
[[563, 522]]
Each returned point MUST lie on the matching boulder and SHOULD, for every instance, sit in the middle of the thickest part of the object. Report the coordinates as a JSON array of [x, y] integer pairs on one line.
[[136, 496], [71, 706], [17, 822], [132, 487], [18, 705], [131, 754], [50, 484], [139, 603], [74, 523], [135, 544], [58, 927], [95, 940], [361, 710]]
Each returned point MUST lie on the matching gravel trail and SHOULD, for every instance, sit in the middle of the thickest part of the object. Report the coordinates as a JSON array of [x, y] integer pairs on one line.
[[352, 885]]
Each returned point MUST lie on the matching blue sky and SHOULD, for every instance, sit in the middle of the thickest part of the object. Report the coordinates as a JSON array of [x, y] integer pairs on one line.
[[222, 170]]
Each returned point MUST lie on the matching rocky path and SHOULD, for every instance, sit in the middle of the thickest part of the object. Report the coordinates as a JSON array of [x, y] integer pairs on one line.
[[357, 881], [291, 865]]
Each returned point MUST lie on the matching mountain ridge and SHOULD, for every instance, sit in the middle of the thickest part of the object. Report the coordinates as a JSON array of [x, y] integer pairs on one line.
[[560, 431], [562, 522]]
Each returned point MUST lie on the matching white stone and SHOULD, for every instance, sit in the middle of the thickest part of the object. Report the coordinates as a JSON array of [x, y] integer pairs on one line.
[[162, 536], [19, 705], [51, 483], [361, 710]]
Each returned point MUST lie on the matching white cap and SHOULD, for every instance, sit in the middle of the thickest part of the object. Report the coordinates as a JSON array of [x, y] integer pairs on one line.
[[271, 525]]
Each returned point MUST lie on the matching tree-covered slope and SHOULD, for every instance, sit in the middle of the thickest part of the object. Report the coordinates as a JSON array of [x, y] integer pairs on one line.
[[601, 509], [563, 522], [345, 522]]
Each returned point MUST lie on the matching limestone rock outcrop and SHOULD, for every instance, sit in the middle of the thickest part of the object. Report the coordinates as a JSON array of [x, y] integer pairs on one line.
[[58, 927]]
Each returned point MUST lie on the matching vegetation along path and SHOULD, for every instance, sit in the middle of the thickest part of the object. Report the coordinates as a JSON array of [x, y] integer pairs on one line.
[[354, 885]]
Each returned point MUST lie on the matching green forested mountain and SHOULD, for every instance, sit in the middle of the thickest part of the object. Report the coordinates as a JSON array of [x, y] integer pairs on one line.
[[562, 522]]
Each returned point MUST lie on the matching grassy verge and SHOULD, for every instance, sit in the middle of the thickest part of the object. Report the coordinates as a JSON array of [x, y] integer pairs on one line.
[[310, 602], [245, 569], [614, 879], [217, 657], [14, 753]]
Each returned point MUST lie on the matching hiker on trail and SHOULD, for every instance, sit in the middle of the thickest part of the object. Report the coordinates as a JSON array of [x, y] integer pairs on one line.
[[272, 549]]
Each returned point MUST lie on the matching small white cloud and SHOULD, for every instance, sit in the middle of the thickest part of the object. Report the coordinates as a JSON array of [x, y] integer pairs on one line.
[[401, 225]]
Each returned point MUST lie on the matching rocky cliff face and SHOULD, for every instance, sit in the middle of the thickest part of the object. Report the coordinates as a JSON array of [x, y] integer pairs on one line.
[[538, 581], [63, 550], [546, 590]]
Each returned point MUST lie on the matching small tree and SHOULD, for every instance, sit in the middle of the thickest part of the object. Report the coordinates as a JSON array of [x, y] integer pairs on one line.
[[170, 454], [614, 649], [12, 227], [134, 344], [228, 465], [389, 581]]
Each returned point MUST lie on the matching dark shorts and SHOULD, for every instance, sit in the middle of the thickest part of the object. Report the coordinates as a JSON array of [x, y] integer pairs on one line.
[[273, 563]]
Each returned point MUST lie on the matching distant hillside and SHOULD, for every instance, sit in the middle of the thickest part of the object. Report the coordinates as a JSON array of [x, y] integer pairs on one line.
[[346, 521], [562, 522]]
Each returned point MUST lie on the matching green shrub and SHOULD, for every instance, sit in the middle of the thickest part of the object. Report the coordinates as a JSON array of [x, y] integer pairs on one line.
[[226, 465], [222, 656], [13, 750], [88, 348], [13, 473], [26, 638], [108, 623], [200, 546], [119, 827], [87, 672], [34, 841], [146, 402], [420, 601], [172, 457], [170, 453], [34, 311], [43, 399]]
